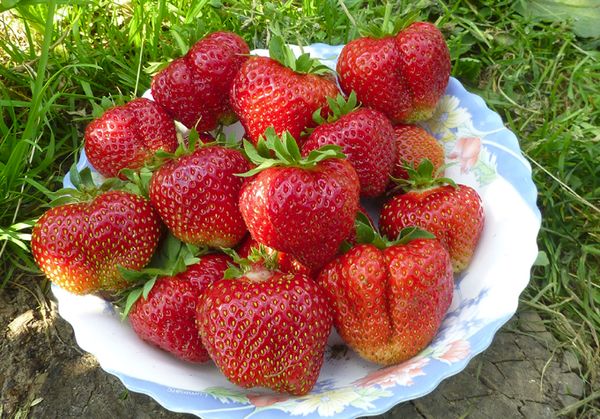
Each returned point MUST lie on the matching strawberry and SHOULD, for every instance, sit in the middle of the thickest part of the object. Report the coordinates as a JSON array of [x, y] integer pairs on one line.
[[128, 136], [403, 76], [301, 206], [389, 298], [454, 213], [280, 92], [195, 87], [413, 144], [197, 196], [167, 316], [79, 246], [366, 137], [285, 262], [266, 328]]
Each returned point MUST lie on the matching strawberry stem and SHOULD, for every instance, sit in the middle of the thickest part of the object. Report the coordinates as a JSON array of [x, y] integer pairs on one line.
[[385, 26], [273, 150]]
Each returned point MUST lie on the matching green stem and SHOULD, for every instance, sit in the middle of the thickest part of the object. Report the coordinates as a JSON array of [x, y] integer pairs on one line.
[[386, 17]]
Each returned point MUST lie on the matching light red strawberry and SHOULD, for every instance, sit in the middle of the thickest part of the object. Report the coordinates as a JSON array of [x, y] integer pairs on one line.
[[389, 298], [195, 87], [167, 317], [403, 76], [128, 136], [197, 196], [366, 137], [280, 92], [80, 245], [266, 328], [285, 262], [454, 213], [413, 144], [301, 206]]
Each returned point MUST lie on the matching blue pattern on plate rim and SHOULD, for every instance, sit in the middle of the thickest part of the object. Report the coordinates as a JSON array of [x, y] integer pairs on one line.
[[476, 138]]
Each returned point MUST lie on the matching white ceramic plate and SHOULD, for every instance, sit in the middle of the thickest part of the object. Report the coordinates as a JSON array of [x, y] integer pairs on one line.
[[485, 297]]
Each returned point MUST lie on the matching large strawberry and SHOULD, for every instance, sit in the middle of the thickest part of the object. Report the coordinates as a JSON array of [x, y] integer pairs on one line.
[[389, 298], [366, 137], [197, 196], [128, 136], [403, 76], [266, 328], [166, 316], [79, 246], [413, 144], [301, 206], [454, 213], [195, 87], [280, 92]]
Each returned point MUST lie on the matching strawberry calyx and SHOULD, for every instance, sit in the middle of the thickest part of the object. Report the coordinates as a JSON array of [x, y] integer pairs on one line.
[[304, 64], [367, 234], [422, 177], [171, 258], [389, 26], [85, 188], [273, 150], [338, 107], [258, 266]]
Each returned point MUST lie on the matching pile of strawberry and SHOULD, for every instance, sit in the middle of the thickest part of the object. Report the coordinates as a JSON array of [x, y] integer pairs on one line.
[[248, 254]]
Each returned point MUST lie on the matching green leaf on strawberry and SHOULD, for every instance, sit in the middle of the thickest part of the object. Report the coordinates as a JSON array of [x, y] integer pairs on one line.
[[304, 64], [273, 150], [171, 258]]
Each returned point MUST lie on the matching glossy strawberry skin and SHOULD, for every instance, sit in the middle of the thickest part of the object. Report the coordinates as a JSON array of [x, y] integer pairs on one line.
[[195, 87], [306, 213], [403, 76], [78, 246], [270, 332], [426, 67], [128, 136], [265, 93], [413, 144], [197, 196], [454, 215], [366, 137], [388, 304], [167, 318]]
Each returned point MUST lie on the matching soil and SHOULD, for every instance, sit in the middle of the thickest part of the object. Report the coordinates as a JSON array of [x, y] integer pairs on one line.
[[43, 374]]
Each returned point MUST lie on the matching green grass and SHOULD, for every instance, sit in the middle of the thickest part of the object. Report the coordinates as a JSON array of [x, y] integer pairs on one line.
[[61, 58]]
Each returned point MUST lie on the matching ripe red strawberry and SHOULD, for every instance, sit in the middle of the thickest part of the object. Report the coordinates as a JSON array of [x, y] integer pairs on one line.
[[280, 92], [366, 137], [301, 206], [79, 246], [454, 213], [195, 87], [413, 144], [128, 136], [167, 318], [389, 299], [197, 196], [403, 76], [285, 262], [266, 329]]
